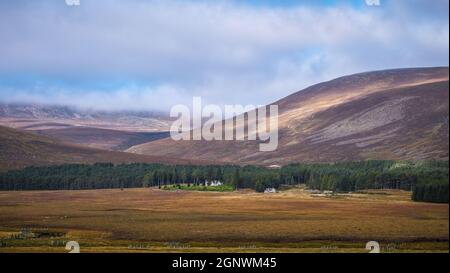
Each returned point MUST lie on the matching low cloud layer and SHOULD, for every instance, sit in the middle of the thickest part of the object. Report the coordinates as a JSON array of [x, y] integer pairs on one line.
[[145, 55]]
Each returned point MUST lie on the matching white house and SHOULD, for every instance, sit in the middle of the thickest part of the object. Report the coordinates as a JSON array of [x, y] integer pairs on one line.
[[270, 190], [216, 183]]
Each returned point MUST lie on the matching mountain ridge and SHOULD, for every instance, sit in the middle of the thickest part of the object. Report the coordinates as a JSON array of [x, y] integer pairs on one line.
[[18, 115]]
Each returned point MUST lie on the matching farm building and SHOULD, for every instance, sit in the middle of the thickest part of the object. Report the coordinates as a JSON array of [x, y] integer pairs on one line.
[[270, 190], [213, 183]]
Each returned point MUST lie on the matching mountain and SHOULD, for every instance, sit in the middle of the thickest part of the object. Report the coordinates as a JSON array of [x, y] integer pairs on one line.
[[20, 149], [34, 117], [397, 114], [115, 131]]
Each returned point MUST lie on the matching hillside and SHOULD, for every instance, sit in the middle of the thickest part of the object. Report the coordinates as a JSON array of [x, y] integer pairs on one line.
[[105, 139], [19, 149], [397, 114]]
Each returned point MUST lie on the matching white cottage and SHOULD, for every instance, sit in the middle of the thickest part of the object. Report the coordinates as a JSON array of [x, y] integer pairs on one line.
[[270, 190], [216, 183]]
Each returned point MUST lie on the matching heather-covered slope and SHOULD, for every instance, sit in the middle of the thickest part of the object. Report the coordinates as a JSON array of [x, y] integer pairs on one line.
[[391, 114]]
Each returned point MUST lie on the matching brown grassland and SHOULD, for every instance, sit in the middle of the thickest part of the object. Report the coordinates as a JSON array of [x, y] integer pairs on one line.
[[152, 220]]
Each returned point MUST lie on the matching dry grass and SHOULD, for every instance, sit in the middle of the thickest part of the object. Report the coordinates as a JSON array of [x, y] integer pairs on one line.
[[244, 221]]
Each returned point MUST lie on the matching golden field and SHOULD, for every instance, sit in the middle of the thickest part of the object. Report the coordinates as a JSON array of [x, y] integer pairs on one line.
[[152, 220]]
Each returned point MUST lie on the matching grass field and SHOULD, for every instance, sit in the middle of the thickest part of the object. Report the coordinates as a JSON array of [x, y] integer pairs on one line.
[[152, 220]]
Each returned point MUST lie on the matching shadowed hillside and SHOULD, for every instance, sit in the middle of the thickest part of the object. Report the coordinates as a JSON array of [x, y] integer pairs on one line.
[[19, 149], [102, 138]]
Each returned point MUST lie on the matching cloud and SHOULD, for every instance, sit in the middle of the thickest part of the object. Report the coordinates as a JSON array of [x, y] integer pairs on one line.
[[225, 51]]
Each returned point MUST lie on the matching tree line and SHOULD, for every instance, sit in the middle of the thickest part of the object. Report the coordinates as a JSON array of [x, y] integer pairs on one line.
[[431, 193], [427, 179]]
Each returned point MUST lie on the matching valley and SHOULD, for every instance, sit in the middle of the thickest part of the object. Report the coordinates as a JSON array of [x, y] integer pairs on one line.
[[224, 127], [368, 116], [117, 182]]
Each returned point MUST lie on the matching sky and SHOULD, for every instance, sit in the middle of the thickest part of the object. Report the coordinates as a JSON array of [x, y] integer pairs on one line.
[[151, 55]]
